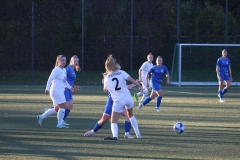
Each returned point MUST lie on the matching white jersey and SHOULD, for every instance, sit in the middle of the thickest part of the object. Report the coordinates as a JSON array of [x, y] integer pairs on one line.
[[115, 83], [146, 66], [58, 80]]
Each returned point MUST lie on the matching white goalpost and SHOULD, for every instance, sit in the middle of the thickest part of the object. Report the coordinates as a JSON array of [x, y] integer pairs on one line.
[[195, 64]]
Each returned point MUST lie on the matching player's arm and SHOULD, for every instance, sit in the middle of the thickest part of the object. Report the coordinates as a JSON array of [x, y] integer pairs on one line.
[[134, 82], [130, 86], [50, 79], [168, 79], [230, 72], [140, 75], [218, 74], [147, 77]]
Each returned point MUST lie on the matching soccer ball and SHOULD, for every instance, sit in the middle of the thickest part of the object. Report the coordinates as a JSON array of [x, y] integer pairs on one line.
[[178, 127]]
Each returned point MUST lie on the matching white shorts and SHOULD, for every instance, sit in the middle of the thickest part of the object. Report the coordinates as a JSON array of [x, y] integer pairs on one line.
[[57, 97], [126, 101]]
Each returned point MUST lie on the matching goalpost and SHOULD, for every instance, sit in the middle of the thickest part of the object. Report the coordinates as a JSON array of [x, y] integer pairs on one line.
[[195, 64]]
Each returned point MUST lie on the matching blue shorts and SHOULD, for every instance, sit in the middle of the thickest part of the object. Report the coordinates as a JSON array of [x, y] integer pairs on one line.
[[109, 104], [68, 94], [225, 77], [155, 86], [108, 108]]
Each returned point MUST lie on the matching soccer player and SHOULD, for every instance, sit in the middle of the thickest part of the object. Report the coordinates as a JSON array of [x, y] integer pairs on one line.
[[71, 76], [146, 66], [224, 73], [115, 83], [157, 72], [107, 115]]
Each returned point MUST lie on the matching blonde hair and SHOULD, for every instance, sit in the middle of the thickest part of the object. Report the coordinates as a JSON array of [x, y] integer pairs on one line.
[[58, 59], [77, 68], [110, 64]]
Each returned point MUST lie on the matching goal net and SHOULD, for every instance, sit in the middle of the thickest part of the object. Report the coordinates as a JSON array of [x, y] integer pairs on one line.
[[195, 64]]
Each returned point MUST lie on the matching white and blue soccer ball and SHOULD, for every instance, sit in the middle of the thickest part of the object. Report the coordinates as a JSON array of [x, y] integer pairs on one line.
[[178, 127]]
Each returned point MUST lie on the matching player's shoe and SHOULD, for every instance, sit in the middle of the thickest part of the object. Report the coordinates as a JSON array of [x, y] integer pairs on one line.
[[110, 138], [61, 126], [89, 133], [139, 106], [128, 136], [157, 109], [65, 123], [39, 118], [139, 137], [136, 96], [222, 100]]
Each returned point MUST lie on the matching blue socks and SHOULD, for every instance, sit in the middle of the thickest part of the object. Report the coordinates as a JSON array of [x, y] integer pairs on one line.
[[224, 91], [158, 102], [146, 101], [67, 111], [96, 127], [220, 94], [127, 126]]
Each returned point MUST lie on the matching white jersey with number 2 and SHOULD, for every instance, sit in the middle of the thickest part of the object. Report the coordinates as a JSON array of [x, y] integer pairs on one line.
[[115, 83]]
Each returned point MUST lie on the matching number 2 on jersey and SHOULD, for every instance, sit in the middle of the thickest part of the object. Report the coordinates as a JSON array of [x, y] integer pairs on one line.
[[116, 87]]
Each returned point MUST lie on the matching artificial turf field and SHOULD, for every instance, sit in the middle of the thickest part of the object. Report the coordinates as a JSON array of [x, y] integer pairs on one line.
[[212, 129]]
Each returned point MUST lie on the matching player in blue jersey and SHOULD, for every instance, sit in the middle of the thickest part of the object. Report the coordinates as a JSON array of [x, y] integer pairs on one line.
[[224, 74], [71, 77], [157, 72]]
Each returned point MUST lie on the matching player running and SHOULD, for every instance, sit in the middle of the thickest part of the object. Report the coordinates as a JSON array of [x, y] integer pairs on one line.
[[143, 71], [157, 73]]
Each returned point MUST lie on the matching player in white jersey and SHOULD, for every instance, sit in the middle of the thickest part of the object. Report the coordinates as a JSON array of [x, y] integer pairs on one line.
[[56, 84], [143, 71], [71, 76], [115, 83]]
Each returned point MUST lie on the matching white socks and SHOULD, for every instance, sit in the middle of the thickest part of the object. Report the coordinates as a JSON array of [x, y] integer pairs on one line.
[[49, 112], [60, 115], [114, 129], [135, 125]]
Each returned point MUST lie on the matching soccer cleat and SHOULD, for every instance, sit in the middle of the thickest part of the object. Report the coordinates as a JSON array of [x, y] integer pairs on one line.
[[128, 136], [89, 133], [222, 100], [158, 109], [61, 126], [139, 137], [39, 118], [66, 124], [139, 106], [110, 138], [136, 96]]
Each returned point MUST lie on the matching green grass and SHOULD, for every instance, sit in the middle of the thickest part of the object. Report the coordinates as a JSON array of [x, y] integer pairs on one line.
[[212, 129]]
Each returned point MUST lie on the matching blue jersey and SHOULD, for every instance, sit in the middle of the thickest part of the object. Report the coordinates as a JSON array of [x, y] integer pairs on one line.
[[157, 73], [71, 76], [223, 64]]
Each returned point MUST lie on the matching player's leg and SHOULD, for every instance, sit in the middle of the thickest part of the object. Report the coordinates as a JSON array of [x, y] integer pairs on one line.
[[127, 125], [49, 112], [158, 101], [69, 106], [60, 115], [220, 88], [105, 117], [136, 95], [228, 85]]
